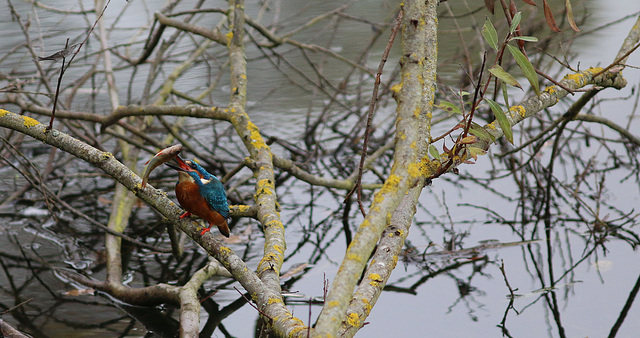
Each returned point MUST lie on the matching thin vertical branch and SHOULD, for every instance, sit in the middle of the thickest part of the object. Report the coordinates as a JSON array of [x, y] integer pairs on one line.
[[372, 107]]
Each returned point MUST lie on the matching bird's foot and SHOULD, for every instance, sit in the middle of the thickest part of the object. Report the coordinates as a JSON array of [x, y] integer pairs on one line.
[[205, 230], [186, 214]]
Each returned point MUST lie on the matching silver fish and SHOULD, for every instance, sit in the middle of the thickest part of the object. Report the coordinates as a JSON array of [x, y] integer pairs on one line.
[[164, 155]]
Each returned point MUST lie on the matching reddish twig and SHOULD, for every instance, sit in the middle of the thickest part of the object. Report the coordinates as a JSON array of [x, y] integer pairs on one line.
[[252, 305], [372, 106], [616, 62]]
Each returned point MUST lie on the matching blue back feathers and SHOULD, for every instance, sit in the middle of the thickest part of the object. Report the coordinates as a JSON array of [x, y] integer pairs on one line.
[[213, 191]]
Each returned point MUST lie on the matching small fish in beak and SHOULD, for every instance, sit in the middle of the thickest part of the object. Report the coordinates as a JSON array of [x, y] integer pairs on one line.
[[163, 156]]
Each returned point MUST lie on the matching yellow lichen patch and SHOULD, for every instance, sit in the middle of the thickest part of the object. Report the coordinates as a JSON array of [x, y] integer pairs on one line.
[[594, 70], [390, 185], [375, 279], [395, 89], [581, 78], [4, 112], [491, 125], [269, 266], [416, 112], [428, 167], [367, 305], [333, 303], [229, 37], [353, 319], [274, 301], [354, 257], [550, 90], [297, 329], [414, 170], [395, 260], [393, 180], [297, 320], [518, 110], [264, 186], [576, 78], [378, 198], [278, 249], [243, 208], [29, 122], [256, 138], [225, 250]]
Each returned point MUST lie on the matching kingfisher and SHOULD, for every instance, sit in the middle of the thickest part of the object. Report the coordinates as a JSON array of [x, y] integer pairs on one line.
[[201, 194]]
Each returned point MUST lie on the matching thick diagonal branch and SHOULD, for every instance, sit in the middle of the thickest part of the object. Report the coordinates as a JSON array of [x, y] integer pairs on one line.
[[419, 56]]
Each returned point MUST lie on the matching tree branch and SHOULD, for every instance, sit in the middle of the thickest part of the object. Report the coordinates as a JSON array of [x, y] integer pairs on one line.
[[419, 58]]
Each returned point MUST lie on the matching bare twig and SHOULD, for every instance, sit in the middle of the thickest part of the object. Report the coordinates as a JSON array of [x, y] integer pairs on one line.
[[372, 107]]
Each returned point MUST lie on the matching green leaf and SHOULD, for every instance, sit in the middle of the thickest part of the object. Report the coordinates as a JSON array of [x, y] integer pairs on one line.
[[449, 107], [525, 38], [515, 22], [489, 33], [480, 133], [434, 152], [505, 77], [502, 119], [505, 95], [475, 152], [527, 68]]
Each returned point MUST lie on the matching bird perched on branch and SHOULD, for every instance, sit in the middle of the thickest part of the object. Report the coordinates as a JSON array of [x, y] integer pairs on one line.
[[201, 194]]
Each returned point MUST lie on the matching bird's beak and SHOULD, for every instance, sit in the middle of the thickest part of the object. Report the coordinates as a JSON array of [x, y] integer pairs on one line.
[[182, 165]]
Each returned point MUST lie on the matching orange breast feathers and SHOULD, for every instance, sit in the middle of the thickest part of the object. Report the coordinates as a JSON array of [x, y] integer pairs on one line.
[[188, 195]]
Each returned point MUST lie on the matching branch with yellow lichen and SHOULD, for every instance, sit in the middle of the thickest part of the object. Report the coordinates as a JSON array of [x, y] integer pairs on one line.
[[383, 262], [419, 56], [530, 107], [269, 298], [599, 78], [157, 199], [385, 258]]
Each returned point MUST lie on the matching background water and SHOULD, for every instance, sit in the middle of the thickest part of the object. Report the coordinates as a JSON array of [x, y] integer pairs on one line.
[[590, 302]]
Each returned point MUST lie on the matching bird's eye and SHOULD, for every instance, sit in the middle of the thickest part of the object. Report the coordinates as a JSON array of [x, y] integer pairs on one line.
[[191, 164]]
